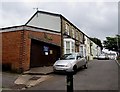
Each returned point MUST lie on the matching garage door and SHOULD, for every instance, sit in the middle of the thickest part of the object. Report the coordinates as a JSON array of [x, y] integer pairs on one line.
[[43, 54]]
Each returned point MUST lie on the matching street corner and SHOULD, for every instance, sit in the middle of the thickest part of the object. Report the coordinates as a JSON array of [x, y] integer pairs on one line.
[[26, 81]]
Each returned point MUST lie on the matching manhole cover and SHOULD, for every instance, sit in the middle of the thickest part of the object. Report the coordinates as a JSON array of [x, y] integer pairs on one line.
[[34, 78]]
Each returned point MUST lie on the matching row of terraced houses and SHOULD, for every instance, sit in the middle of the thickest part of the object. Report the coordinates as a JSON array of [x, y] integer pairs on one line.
[[41, 41]]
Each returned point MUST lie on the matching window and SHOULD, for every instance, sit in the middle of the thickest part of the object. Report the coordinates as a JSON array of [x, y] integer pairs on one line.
[[67, 47], [81, 50], [67, 29], [77, 35], [73, 47], [73, 33], [68, 57]]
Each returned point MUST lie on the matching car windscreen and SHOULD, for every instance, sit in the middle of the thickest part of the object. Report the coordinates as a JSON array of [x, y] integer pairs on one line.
[[68, 57]]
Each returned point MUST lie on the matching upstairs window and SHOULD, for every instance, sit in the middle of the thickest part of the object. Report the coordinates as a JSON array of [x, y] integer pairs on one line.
[[77, 33], [67, 29], [73, 33]]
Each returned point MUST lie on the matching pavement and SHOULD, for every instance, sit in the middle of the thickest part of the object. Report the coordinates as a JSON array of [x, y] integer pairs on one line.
[[30, 78], [27, 81], [40, 70]]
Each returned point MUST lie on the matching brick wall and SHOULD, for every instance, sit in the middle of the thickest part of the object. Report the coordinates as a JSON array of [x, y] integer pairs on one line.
[[46, 37], [16, 47], [11, 49], [26, 53]]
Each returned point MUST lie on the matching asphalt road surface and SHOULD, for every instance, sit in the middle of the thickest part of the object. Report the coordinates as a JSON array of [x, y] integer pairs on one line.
[[100, 75]]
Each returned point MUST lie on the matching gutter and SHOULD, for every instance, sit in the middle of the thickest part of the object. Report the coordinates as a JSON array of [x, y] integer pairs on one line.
[[117, 62]]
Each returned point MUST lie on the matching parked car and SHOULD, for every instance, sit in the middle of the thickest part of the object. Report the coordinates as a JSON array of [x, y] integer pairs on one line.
[[70, 63], [103, 57], [112, 55]]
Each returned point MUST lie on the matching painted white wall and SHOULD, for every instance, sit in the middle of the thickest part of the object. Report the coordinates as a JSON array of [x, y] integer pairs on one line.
[[87, 46], [46, 21], [96, 50]]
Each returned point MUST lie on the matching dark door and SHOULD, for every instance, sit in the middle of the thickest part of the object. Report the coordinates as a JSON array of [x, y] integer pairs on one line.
[[43, 54]]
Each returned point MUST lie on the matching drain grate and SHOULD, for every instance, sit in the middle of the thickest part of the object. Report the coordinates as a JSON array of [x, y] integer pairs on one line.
[[34, 78]]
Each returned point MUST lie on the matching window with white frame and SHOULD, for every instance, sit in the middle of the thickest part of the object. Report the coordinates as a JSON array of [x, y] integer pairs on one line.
[[69, 46], [67, 29]]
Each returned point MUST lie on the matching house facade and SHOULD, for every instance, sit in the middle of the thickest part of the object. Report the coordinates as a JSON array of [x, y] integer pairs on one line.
[[90, 49], [95, 50], [72, 37], [41, 41]]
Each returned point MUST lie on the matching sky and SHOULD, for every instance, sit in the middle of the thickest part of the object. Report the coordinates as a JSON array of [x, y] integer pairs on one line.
[[95, 18]]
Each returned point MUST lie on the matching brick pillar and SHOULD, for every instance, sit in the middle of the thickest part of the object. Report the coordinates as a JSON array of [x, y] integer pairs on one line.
[[22, 52]]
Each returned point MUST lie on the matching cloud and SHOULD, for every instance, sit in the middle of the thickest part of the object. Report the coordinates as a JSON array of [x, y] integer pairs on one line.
[[96, 19]]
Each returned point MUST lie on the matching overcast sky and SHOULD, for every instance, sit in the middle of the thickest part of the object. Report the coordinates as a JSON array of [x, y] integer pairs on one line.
[[95, 19]]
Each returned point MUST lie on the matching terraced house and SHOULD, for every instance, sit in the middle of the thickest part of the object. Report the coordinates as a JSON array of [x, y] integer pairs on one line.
[[41, 41]]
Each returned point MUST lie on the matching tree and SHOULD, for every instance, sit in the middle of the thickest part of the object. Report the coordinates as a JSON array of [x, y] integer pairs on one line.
[[97, 41], [112, 43]]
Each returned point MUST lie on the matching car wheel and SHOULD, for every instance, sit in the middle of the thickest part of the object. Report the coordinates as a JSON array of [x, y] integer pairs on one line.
[[86, 66], [75, 68]]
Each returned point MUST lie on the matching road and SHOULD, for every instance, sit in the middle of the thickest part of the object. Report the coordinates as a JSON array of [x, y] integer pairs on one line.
[[100, 75]]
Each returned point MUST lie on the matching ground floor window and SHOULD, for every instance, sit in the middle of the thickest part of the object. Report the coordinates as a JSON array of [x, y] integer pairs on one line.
[[69, 45], [83, 50]]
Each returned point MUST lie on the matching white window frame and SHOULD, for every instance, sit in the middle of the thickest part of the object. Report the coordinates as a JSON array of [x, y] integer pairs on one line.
[[72, 48]]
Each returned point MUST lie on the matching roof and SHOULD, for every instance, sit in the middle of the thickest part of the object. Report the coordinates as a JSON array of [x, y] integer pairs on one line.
[[26, 27]]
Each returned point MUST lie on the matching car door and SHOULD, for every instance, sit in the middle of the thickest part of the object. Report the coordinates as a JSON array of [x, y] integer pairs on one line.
[[83, 61], [79, 61]]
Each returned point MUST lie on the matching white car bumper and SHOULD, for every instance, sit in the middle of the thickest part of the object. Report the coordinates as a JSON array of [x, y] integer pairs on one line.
[[67, 69]]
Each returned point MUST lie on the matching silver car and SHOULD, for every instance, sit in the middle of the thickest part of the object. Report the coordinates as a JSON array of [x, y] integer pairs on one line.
[[70, 63]]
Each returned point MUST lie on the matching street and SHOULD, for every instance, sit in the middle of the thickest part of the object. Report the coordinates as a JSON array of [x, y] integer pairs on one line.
[[100, 75]]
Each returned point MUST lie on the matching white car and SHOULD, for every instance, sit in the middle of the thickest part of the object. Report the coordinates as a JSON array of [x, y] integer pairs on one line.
[[112, 56], [103, 57], [70, 63]]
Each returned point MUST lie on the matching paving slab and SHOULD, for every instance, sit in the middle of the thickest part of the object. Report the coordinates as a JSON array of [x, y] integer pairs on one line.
[[30, 80], [40, 70]]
